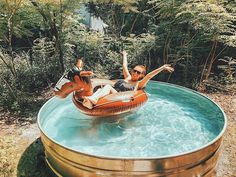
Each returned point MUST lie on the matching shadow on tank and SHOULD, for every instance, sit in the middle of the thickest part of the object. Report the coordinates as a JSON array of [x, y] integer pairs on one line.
[[32, 162]]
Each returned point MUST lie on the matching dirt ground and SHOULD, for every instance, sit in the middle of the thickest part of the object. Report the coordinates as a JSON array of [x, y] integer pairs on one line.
[[21, 152], [227, 162]]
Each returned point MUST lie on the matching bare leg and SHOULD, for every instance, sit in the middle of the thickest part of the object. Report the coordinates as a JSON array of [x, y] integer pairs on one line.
[[90, 100], [87, 102], [106, 90]]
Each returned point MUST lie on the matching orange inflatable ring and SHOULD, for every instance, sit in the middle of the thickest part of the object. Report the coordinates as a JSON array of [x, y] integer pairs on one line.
[[113, 104], [81, 85]]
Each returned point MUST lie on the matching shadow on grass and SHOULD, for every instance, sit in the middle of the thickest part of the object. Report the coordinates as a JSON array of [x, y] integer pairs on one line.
[[32, 162]]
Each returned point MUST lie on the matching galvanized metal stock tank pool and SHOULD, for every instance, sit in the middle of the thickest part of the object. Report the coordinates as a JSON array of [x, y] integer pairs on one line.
[[178, 132]]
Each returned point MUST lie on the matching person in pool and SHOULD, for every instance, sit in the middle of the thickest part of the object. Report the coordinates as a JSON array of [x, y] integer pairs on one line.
[[133, 81]]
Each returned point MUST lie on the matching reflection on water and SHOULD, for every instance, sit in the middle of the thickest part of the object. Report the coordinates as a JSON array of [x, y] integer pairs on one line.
[[173, 121]]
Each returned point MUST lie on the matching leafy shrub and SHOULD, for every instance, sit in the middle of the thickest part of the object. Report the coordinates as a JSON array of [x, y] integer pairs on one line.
[[31, 80], [19, 93], [101, 52]]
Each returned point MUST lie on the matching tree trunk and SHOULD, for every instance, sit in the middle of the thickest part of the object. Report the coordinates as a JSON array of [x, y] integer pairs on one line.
[[58, 42], [54, 32], [10, 33], [212, 59]]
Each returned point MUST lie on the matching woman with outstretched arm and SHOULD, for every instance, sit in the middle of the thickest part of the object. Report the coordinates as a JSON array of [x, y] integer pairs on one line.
[[135, 80]]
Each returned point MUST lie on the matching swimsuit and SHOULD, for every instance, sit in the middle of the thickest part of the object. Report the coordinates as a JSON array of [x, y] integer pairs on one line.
[[122, 86], [72, 72]]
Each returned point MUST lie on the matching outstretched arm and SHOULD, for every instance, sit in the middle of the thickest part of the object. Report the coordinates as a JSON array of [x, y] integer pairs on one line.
[[125, 66], [144, 81]]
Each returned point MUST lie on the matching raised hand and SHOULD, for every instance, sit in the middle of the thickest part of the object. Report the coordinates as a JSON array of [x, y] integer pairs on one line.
[[168, 68], [124, 53]]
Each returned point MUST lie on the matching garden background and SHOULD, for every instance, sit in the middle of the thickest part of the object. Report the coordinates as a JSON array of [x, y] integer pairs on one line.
[[41, 39]]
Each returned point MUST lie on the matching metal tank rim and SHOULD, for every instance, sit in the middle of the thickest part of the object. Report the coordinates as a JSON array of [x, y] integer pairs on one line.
[[142, 158]]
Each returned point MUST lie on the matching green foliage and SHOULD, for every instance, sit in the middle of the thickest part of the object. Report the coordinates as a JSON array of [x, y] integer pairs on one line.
[[41, 39], [123, 18], [212, 17], [25, 21], [193, 35], [227, 70], [101, 52], [125, 5], [18, 93], [32, 79]]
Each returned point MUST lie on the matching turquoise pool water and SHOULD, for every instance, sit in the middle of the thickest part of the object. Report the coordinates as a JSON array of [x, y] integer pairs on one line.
[[173, 121]]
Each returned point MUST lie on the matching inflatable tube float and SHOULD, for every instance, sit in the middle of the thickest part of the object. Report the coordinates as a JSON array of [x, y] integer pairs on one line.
[[81, 85], [113, 104]]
